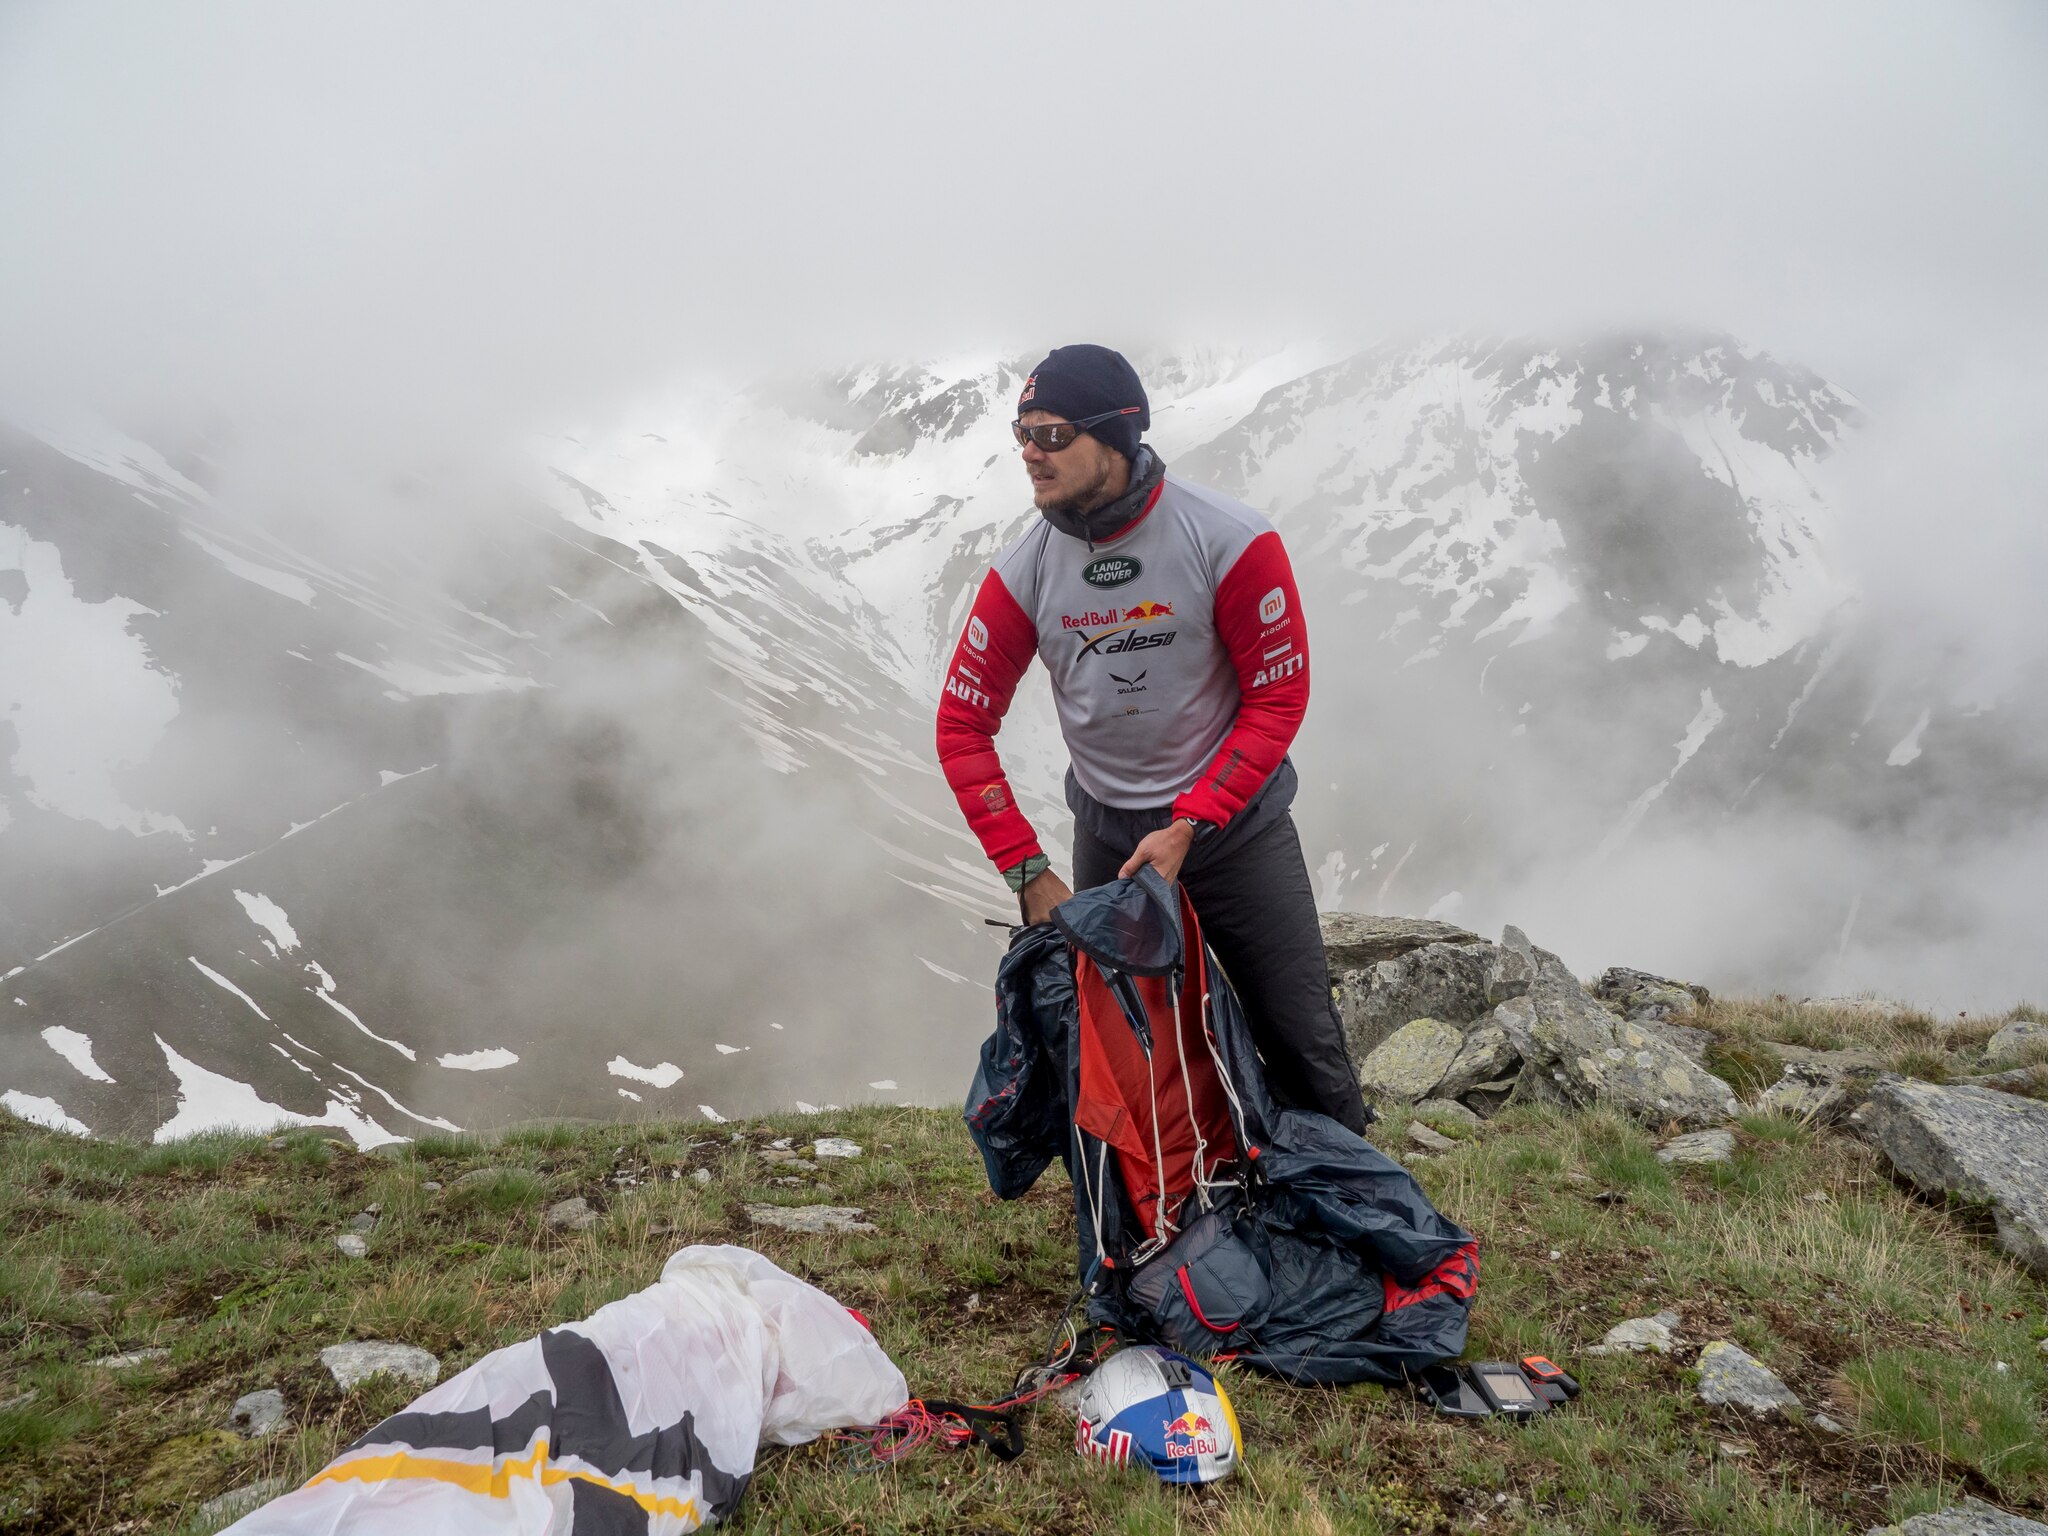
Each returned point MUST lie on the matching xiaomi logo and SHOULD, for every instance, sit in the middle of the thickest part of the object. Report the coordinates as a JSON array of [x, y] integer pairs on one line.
[[1272, 606], [977, 634]]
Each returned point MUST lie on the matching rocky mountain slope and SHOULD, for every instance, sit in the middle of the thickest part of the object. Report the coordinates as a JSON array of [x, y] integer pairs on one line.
[[627, 790]]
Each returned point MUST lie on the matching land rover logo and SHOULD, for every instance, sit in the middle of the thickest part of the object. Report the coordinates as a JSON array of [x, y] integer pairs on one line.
[[1111, 571]]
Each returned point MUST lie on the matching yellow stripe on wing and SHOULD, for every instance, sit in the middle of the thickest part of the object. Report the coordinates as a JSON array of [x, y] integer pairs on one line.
[[494, 1480]]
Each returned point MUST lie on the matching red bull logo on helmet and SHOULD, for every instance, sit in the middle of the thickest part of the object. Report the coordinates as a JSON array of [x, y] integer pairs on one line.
[[1191, 1435]]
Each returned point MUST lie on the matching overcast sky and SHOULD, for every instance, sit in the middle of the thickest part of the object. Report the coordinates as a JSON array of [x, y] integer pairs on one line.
[[496, 212]]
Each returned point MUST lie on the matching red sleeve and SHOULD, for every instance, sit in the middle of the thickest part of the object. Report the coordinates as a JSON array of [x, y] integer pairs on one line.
[[1258, 615], [991, 656]]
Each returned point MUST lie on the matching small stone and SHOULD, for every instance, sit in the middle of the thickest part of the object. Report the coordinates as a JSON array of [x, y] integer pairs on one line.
[[257, 1414], [431, 1186], [1428, 1140], [19, 1400], [365, 1223], [1731, 1375], [783, 1143], [1439, 1113], [353, 1364], [130, 1360], [1637, 1334], [1730, 1448], [237, 1502], [702, 1175], [352, 1244], [571, 1215], [95, 1302], [1698, 1147], [1556, 1254], [810, 1218], [834, 1146], [477, 1176], [1827, 1425]]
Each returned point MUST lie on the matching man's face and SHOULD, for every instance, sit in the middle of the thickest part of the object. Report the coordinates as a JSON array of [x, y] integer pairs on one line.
[[1078, 478]]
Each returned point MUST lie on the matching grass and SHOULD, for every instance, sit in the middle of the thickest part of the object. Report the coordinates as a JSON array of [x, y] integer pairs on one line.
[[1884, 1312]]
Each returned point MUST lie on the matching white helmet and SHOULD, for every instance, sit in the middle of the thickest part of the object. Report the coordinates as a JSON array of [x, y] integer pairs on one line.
[[1158, 1409]]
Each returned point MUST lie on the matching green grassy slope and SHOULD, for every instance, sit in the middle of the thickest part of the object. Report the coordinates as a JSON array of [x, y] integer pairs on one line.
[[1881, 1311]]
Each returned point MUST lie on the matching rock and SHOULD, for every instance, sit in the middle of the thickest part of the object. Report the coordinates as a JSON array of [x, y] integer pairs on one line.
[[2020, 1038], [1438, 981], [1972, 1517], [1643, 996], [352, 1244], [1438, 1113], [1429, 1140], [1593, 1057], [257, 1414], [1730, 1375], [130, 1360], [237, 1502], [1826, 1425], [98, 1303], [810, 1218], [353, 1364], [477, 1176], [1638, 1334], [1411, 1061], [2023, 1080], [23, 1399], [702, 1175], [364, 1223], [431, 1186], [1488, 1052], [571, 1215], [1813, 1092], [1698, 1147], [1974, 1143], [835, 1146], [1689, 1041], [1356, 941]]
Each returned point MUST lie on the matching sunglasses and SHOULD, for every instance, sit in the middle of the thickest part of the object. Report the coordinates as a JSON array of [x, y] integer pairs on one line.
[[1055, 435]]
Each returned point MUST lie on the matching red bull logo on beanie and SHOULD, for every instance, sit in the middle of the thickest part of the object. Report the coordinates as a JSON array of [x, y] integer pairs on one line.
[[1191, 1435]]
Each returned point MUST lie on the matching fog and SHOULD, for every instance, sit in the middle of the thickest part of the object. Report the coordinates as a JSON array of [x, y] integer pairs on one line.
[[361, 255]]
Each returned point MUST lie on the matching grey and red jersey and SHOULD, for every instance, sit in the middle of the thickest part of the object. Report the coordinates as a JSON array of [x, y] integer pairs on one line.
[[1178, 656]]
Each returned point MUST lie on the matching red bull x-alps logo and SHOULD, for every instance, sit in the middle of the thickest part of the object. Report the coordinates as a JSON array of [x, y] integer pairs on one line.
[[1191, 1435], [1107, 618]]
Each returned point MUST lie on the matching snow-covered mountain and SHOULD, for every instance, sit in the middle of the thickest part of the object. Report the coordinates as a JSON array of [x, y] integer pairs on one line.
[[636, 796]]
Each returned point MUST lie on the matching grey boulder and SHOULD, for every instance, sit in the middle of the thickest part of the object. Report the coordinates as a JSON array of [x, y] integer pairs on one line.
[[571, 1215], [1637, 1335], [1489, 1051], [1410, 1062], [1972, 1517], [1974, 1143], [1443, 981], [1815, 1092], [1731, 1376], [1593, 1057], [1354, 941], [1641, 995], [2022, 1037], [352, 1364]]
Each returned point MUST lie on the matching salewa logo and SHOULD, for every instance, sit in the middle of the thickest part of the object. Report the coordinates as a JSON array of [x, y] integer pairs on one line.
[[1131, 684], [968, 695], [1111, 571], [1279, 671]]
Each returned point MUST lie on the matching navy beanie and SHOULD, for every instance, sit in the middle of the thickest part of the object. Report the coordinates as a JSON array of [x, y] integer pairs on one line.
[[1084, 380]]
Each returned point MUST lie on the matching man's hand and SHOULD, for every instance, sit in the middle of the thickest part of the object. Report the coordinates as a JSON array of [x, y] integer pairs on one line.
[[1042, 895], [1163, 850]]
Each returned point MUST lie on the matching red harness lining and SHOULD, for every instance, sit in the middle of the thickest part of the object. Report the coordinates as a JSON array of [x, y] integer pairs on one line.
[[1457, 1276]]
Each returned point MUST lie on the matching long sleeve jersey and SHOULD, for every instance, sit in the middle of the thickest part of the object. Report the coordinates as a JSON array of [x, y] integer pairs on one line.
[[1178, 656]]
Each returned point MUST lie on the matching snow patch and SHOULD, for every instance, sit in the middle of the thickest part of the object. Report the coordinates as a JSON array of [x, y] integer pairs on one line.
[[44, 1112], [284, 585], [219, 980], [208, 1101], [664, 1074], [75, 1048], [270, 917], [1909, 745], [479, 1061]]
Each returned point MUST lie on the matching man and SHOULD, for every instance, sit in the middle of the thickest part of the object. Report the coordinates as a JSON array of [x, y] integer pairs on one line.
[[1168, 618]]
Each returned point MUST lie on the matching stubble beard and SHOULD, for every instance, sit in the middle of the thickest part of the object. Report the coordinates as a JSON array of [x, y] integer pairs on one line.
[[1086, 498]]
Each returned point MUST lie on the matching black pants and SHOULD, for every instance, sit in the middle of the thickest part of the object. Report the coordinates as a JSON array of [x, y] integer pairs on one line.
[[1258, 913]]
